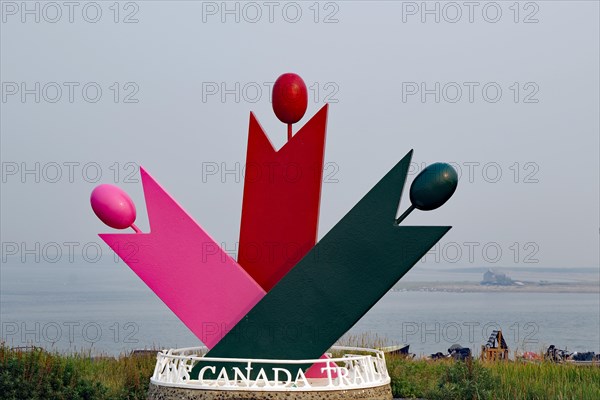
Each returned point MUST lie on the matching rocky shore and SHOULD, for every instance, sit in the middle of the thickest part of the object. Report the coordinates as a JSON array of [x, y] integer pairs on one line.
[[473, 287]]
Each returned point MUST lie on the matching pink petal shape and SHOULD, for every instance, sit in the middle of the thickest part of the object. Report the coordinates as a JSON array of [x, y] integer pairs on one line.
[[186, 268]]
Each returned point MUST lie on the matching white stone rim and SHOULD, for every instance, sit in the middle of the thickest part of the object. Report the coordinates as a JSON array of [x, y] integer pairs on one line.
[[173, 369]]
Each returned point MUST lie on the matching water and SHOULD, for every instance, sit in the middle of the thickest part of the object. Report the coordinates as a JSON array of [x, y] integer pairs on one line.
[[433, 321], [106, 308]]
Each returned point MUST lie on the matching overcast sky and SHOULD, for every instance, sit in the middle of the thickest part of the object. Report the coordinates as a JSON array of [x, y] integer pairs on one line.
[[517, 112]]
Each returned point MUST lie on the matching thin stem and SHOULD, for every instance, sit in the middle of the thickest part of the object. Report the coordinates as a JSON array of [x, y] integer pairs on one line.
[[289, 131], [405, 214], [136, 229]]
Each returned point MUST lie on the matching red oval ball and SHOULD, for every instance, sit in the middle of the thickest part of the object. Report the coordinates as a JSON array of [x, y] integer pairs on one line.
[[290, 98]]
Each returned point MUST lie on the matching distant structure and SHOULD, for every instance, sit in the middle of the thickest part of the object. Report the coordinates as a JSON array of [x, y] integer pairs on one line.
[[496, 348], [496, 278]]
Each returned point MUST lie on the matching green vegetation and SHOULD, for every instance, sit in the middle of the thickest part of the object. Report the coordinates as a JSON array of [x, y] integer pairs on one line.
[[37, 374], [547, 381], [494, 380]]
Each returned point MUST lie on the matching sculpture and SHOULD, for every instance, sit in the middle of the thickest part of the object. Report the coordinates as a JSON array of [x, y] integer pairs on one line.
[[290, 307]]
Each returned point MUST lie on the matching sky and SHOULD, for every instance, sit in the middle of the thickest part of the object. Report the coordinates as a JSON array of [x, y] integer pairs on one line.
[[508, 94]]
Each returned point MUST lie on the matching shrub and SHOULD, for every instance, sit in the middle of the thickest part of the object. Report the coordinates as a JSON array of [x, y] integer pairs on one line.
[[465, 380]]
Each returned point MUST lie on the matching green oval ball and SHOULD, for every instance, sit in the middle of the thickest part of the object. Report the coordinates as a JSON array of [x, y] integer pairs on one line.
[[433, 186]]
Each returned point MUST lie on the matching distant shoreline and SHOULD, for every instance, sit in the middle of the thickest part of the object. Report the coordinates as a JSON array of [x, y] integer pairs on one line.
[[475, 287]]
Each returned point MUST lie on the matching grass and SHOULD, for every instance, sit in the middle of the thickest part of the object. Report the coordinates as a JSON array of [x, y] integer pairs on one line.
[[37, 374], [494, 380], [547, 381]]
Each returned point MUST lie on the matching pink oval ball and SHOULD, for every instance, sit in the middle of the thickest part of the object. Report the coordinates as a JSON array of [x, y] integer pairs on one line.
[[113, 206]]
